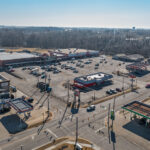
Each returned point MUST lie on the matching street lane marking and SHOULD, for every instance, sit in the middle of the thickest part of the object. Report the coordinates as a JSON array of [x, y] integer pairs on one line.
[[32, 137], [52, 133]]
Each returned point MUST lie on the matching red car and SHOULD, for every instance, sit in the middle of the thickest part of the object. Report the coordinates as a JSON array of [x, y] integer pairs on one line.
[[147, 86], [11, 70]]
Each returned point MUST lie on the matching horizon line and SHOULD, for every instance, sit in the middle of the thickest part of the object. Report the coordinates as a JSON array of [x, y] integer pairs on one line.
[[73, 27]]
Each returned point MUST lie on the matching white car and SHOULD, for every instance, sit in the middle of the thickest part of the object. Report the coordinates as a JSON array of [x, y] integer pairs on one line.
[[91, 108]]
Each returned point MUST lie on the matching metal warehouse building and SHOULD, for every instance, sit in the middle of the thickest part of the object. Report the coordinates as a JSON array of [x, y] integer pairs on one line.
[[16, 58], [92, 79]]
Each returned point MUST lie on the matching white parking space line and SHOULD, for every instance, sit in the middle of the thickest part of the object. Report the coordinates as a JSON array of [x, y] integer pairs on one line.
[[33, 136], [52, 133]]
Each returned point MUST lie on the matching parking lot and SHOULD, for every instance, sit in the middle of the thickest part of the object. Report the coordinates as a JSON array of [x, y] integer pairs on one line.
[[25, 79], [66, 71]]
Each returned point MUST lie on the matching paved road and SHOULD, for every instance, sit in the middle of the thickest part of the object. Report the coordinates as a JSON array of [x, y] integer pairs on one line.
[[30, 138]]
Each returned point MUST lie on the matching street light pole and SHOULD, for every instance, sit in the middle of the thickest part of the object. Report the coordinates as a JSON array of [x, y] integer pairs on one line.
[[108, 122]]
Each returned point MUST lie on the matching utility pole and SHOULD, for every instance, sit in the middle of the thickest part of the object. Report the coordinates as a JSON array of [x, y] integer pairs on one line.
[[76, 141], [123, 84], [21, 147], [38, 79], [68, 86], [45, 81], [48, 96], [94, 96], [113, 112], [108, 122], [74, 102]]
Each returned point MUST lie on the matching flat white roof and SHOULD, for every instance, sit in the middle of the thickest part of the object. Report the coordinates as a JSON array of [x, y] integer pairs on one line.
[[95, 76], [15, 55]]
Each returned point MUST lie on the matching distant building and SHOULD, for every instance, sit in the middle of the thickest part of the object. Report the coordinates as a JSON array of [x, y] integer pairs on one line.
[[129, 58], [68, 54], [15, 58], [139, 68], [122, 57], [135, 58]]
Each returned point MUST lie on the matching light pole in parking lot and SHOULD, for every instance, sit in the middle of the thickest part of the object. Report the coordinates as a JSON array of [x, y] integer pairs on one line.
[[48, 95], [123, 84], [108, 122], [68, 86]]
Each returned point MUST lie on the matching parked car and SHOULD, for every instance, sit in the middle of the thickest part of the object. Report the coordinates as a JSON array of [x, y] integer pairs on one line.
[[73, 68], [75, 71], [63, 66], [30, 68], [78, 64], [97, 64], [43, 76], [109, 92], [56, 71], [42, 67], [87, 62], [91, 108], [4, 108], [30, 100], [113, 91], [11, 70], [147, 86], [24, 68], [49, 69], [43, 73], [118, 90], [13, 88]]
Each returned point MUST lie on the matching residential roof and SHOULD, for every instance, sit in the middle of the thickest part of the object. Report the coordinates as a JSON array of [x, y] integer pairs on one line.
[[15, 55], [138, 108]]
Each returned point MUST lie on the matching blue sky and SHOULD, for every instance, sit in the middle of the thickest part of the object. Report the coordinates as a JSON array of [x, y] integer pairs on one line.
[[76, 13]]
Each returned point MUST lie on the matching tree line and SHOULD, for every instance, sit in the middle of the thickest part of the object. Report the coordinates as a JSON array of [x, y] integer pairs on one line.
[[108, 41]]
